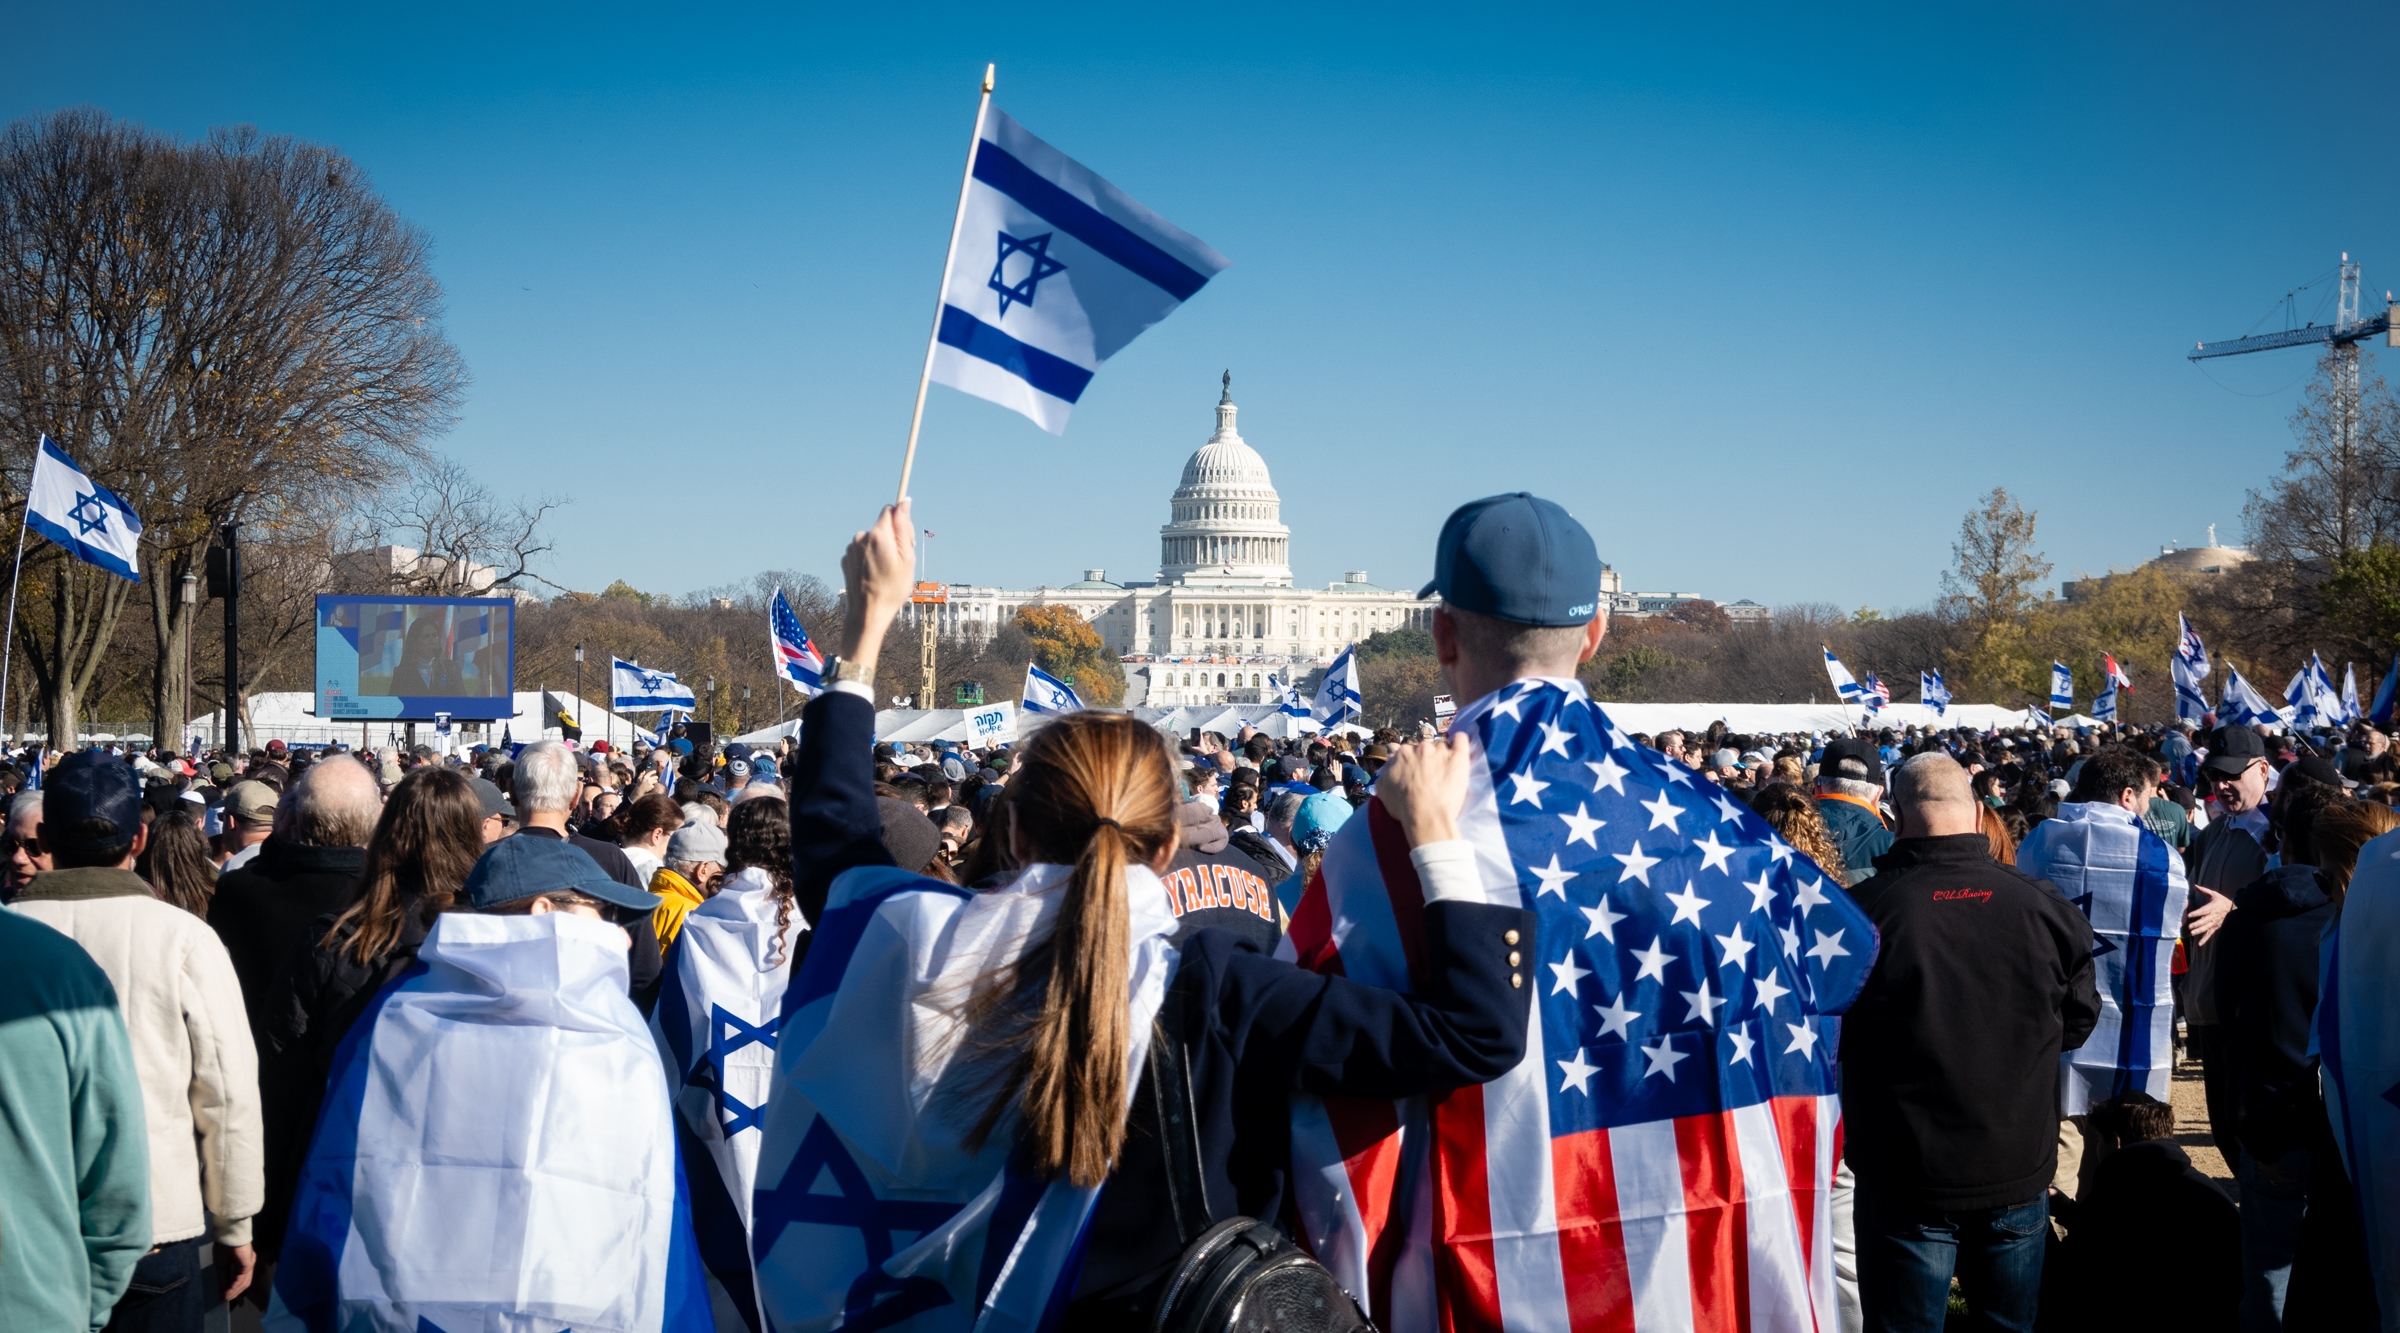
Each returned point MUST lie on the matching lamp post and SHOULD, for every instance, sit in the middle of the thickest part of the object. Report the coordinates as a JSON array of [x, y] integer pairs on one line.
[[579, 687], [191, 603], [745, 706], [712, 709]]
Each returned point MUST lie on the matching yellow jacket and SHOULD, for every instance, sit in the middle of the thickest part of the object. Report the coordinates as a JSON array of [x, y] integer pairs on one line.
[[677, 898]]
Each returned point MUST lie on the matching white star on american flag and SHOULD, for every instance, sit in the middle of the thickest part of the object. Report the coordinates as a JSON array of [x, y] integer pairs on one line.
[[1568, 975], [1737, 949], [1804, 1039], [1687, 905], [1703, 1004], [1608, 775], [1528, 788], [1663, 1058], [1762, 892], [1742, 1042], [1728, 812], [1637, 866], [1581, 827], [1554, 740], [1812, 894], [1577, 1073], [1604, 922], [1654, 962], [1615, 1017], [1715, 855], [1791, 941], [1828, 947], [1554, 880], [1769, 990], [1778, 848], [1663, 813]]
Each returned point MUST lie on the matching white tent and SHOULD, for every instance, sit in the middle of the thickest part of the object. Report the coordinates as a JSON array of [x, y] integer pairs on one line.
[[289, 715], [770, 735]]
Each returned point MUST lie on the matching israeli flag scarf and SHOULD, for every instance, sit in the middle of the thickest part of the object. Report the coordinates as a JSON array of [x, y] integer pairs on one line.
[[716, 1024], [2131, 886], [496, 1153], [871, 1211]]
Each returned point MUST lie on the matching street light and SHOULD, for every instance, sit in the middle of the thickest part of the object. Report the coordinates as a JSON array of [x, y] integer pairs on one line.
[[579, 687], [191, 600], [712, 708]]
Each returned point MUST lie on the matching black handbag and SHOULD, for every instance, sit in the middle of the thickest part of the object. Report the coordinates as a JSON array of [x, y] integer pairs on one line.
[[1240, 1275]]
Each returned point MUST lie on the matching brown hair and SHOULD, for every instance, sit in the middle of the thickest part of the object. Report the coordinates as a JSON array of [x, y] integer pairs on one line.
[[1097, 792], [2341, 830], [761, 836], [175, 864], [429, 837], [1794, 815], [1995, 832]]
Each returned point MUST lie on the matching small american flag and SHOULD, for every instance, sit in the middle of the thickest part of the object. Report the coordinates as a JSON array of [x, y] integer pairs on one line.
[[1877, 694], [1663, 1158], [796, 657]]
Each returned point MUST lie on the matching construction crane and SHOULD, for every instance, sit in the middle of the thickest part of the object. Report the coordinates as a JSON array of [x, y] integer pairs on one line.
[[2345, 333]]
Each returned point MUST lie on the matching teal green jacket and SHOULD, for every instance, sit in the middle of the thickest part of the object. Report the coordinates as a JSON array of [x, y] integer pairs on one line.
[[1859, 832], [74, 1149]]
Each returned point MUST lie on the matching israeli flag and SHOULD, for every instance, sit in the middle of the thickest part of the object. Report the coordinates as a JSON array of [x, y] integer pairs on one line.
[[1338, 700], [1056, 270], [1045, 693], [666, 723], [1933, 693], [2315, 703], [2350, 711], [1290, 702], [496, 1150], [715, 1023], [2242, 704], [82, 515], [2062, 686], [638, 689], [2131, 886], [2104, 707], [871, 1211], [2189, 666], [1844, 684]]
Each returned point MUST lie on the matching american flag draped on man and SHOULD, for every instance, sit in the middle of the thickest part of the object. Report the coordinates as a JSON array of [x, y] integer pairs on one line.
[[1663, 1158]]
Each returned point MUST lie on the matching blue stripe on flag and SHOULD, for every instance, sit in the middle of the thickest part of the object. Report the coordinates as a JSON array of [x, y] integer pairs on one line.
[[1019, 1195], [307, 1278], [996, 167], [836, 937], [687, 1290], [717, 1225], [2137, 990], [1053, 375]]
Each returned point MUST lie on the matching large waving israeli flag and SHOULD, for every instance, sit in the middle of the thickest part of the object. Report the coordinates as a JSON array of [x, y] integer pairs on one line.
[[715, 1023], [871, 1210], [1045, 693], [2130, 885], [1338, 700], [2062, 686], [1055, 271], [82, 515], [2243, 704], [496, 1151], [2189, 667], [1844, 684], [637, 688]]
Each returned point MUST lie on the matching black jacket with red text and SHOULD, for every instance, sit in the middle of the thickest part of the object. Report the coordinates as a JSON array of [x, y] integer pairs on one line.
[[1950, 1055]]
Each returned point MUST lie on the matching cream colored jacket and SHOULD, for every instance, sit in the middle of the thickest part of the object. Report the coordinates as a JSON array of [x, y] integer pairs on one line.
[[191, 1045]]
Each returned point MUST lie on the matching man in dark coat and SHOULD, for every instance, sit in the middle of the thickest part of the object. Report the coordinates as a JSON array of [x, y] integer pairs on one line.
[[307, 868], [1849, 789], [2145, 1214], [1950, 1060], [2223, 860]]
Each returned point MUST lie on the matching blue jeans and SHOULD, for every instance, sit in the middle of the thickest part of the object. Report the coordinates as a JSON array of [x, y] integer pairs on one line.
[[1908, 1252], [167, 1295], [2271, 1214]]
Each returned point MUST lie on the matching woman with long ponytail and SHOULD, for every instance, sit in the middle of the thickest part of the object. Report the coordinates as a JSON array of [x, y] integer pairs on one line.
[[981, 1062]]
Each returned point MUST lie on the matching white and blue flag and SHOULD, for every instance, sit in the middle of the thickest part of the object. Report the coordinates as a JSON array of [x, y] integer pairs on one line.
[[666, 723], [1844, 684], [2104, 705], [1288, 700], [2243, 705], [715, 1023], [2315, 703], [496, 1150], [871, 1211], [1338, 700], [1056, 270], [2062, 686], [637, 688], [2130, 885], [1045, 693], [82, 515], [2189, 667], [1933, 693], [2350, 709]]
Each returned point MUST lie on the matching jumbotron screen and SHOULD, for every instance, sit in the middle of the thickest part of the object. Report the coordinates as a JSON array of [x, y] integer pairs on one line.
[[410, 658]]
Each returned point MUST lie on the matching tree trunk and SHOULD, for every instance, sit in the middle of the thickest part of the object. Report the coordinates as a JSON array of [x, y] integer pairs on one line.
[[171, 622], [85, 603]]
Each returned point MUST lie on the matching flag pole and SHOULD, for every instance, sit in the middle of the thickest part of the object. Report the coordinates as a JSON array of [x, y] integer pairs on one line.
[[966, 181], [8, 636]]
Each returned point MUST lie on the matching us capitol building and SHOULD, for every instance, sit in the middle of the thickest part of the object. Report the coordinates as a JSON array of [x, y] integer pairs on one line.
[[1222, 616]]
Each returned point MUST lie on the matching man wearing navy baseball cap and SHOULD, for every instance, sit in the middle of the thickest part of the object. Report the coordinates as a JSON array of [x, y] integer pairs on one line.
[[1520, 586]]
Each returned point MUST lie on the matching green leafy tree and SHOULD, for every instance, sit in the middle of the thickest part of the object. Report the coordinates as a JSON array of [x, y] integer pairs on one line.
[[1069, 648]]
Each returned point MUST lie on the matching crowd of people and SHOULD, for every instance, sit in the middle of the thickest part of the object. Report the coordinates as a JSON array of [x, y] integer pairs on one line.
[[384, 1036]]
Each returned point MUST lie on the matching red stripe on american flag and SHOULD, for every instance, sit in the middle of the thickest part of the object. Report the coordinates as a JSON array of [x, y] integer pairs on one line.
[[1716, 1221], [1400, 878], [1591, 1234], [1796, 1131], [1467, 1273], [1368, 1134], [1311, 931]]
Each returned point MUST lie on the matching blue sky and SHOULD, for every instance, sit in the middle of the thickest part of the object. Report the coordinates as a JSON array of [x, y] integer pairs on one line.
[[1767, 297]]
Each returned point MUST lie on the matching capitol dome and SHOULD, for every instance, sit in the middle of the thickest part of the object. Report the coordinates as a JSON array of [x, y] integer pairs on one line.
[[1224, 527]]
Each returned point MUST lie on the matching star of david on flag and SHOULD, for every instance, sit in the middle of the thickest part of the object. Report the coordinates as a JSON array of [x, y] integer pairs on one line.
[[638, 689], [2062, 686], [1933, 693], [1045, 693], [1663, 1158], [796, 657], [2189, 667], [81, 515], [1338, 700], [1077, 269]]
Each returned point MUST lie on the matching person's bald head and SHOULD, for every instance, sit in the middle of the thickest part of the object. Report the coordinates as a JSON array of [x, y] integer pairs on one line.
[[335, 804], [1934, 797]]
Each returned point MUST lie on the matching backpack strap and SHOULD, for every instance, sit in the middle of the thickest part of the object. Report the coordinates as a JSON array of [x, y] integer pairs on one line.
[[1175, 1121]]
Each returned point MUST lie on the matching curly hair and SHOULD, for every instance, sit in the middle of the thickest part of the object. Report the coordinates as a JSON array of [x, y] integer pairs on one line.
[[1791, 813]]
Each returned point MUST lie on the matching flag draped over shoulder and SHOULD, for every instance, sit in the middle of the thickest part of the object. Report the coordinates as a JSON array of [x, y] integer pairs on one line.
[[1056, 271], [2357, 1041], [2130, 885], [1663, 1158], [715, 1023], [871, 1211], [496, 1150]]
